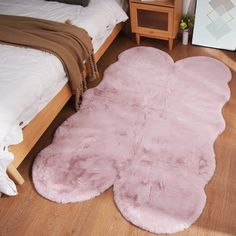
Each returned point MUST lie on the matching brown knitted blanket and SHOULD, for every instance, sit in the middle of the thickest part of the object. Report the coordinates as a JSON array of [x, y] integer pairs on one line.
[[72, 45]]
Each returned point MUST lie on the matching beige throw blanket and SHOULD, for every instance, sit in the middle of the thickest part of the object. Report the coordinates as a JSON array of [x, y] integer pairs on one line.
[[72, 45]]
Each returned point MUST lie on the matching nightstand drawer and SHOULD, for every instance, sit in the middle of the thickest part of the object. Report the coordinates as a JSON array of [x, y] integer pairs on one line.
[[152, 20]]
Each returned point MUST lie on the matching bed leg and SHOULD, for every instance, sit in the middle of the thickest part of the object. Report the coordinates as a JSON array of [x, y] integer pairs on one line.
[[14, 174]]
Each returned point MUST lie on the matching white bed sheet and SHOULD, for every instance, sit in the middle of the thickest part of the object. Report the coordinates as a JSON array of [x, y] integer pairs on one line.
[[39, 76]]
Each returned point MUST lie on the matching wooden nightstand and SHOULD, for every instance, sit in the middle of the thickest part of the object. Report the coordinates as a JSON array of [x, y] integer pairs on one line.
[[156, 19]]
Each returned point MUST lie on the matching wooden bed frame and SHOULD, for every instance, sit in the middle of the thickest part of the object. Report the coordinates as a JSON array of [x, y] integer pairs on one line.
[[34, 130]]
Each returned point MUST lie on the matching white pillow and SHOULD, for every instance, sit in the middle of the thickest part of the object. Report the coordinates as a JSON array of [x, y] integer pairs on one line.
[[103, 15], [123, 4]]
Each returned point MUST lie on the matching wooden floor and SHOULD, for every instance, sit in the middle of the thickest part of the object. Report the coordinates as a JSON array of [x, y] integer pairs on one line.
[[30, 214]]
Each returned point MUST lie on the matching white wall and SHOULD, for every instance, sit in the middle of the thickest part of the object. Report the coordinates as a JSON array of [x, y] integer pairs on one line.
[[189, 7]]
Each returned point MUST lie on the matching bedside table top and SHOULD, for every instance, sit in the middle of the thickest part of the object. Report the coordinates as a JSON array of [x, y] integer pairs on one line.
[[166, 3]]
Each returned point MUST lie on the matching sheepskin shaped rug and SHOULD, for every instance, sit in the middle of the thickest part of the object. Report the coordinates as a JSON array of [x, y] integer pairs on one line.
[[148, 129]]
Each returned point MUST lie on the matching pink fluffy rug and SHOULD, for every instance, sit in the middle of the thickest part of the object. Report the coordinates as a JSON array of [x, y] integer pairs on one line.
[[148, 129]]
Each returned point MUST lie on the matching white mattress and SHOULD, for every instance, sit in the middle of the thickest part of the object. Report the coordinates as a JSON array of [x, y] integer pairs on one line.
[[29, 78]]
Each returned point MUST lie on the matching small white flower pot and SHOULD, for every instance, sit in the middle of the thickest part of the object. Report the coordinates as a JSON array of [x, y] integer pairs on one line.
[[185, 37]]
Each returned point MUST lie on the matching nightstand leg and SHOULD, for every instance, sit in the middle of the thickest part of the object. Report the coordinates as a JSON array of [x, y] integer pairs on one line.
[[137, 38], [171, 41]]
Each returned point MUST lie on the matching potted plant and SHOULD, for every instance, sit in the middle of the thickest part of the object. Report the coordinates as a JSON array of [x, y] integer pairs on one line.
[[186, 24]]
